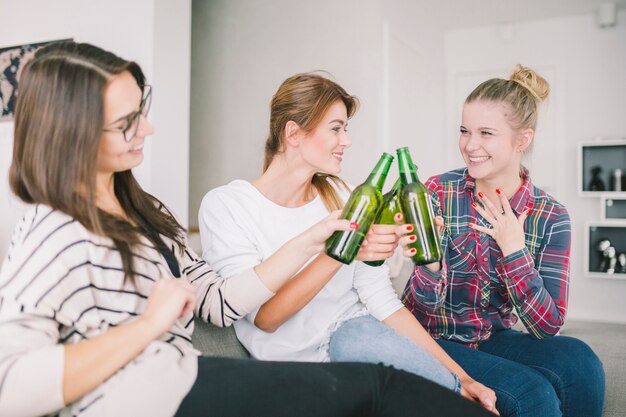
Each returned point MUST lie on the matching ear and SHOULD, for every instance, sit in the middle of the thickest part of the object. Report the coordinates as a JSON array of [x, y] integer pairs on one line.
[[525, 138], [292, 133]]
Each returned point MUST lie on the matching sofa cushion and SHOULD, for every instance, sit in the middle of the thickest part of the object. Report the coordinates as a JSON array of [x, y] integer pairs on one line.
[[217, 341]]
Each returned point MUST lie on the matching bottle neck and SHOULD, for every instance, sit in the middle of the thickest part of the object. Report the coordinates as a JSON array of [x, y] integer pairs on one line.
[[379, 173], [407, 170]]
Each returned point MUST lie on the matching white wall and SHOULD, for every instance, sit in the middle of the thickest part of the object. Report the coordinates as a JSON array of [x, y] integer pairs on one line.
[[156, 34], [586, 67], [243, 50]]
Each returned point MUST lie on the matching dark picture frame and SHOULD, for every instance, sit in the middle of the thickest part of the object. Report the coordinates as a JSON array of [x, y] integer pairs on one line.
[[12, 60]]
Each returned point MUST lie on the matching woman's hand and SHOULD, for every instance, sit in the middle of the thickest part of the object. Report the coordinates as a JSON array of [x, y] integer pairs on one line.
[[169, 300], [476, 391], [506, 228], [382, 240], [408, 239], [314, 238]]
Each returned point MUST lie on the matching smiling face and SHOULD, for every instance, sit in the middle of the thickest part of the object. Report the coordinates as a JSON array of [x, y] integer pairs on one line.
[[122, 99], [491, 148], [323, 147]]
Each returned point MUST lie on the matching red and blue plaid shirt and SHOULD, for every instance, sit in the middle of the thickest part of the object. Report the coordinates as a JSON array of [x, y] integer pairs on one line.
[[477, 290]]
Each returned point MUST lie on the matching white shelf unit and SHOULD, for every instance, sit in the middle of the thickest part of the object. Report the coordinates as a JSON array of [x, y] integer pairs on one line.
[[612, 229], [613, 207], [609, 155]]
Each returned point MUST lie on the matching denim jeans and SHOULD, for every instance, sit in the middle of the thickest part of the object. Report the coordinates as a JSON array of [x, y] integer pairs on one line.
[[366, 339], [548, 377]]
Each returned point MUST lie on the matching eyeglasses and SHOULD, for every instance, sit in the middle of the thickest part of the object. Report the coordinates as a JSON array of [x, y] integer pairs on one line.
[[129, 130]]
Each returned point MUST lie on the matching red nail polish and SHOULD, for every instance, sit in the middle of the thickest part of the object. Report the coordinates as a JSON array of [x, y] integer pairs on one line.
[[398, 216], [354, 225], [480, 194], [409, 228], [528, 211], [474, 204], [471, 224], [413, 238], [498, 191], [413, 251]]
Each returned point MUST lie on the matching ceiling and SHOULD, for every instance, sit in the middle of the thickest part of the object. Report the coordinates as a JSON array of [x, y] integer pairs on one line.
[[454, 14]]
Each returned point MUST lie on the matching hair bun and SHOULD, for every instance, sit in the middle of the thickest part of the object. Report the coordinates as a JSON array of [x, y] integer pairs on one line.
[[531, 81]]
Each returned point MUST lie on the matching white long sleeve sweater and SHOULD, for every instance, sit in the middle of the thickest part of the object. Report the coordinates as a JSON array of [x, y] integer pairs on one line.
[[240, 227], [61, 284]]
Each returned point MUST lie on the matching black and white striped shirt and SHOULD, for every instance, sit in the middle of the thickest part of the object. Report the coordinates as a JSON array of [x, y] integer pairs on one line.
[[62, 284]]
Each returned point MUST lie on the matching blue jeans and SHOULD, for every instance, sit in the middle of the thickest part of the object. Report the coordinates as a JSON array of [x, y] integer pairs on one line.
[[366, 339], [554, 376]]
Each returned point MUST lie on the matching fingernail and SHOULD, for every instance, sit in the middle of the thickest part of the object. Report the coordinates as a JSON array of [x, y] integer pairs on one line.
[[480, 194], [471, 224], [413, 251], [409, 228], [498, 191], [528, 211], [398, 216], [412, 238], [474, 204], [354, 225]]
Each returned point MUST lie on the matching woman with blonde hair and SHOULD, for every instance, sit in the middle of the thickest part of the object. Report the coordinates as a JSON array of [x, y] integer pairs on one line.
[[506, 255]]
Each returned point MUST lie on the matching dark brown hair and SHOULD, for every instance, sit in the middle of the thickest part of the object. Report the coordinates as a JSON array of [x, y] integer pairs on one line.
[[58, 125], [304, 99]]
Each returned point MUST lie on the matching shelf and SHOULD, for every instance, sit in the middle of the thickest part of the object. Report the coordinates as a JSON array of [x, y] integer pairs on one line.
[[612, 230], [613, 206], [610, 157]]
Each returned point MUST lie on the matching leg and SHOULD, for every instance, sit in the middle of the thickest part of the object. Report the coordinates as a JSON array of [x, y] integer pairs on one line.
[[242, 387], [520, 390], [569, 364], [366, 339]]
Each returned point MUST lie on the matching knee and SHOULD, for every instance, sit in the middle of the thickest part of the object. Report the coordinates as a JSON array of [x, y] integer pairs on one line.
[[581, 362], [345, 339], [535, 396]]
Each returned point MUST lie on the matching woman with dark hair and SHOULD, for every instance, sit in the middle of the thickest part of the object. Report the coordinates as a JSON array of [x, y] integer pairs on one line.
[[99, 287]]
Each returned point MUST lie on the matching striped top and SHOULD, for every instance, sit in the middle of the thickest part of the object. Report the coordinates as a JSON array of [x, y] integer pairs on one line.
[[478, 290], [62, 284]]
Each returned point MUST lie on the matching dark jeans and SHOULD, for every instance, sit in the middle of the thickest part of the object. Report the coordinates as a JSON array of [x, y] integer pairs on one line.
[[548, 377], [244, 387]]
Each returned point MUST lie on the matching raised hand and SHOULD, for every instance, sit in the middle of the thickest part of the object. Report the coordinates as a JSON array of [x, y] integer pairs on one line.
[[382, 239], [169, 300], [315, 237], [506, 228]]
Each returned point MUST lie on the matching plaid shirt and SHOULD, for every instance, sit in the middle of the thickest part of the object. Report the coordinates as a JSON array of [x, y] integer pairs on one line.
[[477, 289]]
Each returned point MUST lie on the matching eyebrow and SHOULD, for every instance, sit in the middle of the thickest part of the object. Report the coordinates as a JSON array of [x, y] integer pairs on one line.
[[127, 116], [480, 128], [337, 121]]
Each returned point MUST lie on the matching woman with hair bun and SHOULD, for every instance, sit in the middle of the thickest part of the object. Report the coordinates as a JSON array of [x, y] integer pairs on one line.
[[507, 249]]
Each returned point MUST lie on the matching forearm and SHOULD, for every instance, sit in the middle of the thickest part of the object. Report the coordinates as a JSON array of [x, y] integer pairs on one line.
[[403, 322], [296, 293], [89, 363], [284, 263], [541, 312], [428, 287]]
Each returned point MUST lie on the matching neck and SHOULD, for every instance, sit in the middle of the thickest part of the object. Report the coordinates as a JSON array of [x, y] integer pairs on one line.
[[286, 183], [508, 186], [106, 200]]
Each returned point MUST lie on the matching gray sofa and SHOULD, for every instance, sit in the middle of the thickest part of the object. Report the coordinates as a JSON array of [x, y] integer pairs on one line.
[[607, 340]]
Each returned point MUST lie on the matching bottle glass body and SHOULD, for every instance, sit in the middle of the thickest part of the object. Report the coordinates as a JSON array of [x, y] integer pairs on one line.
[[415, 202], [390, 207], [361, 208]]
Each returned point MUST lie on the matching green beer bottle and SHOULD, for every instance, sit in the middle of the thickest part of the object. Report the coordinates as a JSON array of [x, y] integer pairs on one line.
[[361, 208], [415, 202], [387, 212]]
